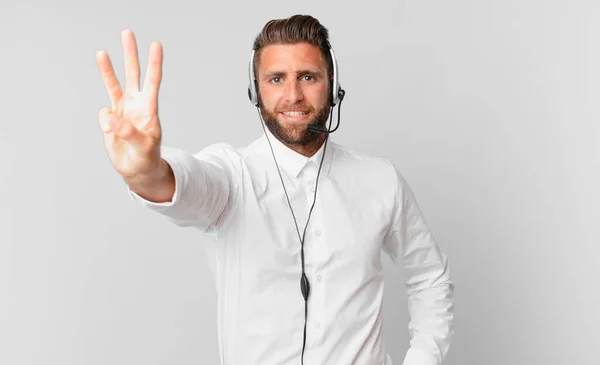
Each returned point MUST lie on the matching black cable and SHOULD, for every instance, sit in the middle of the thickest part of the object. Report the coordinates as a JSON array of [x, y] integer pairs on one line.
[[304, 284]]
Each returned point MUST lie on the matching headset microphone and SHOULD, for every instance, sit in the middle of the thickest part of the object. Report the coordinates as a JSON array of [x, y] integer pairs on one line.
[[316, 129]]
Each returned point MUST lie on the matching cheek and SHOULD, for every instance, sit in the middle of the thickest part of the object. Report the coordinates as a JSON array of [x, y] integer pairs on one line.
[[268, 98], [320, 96]]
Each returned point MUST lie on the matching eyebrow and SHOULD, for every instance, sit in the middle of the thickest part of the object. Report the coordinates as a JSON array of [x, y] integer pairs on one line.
[[270, 74]]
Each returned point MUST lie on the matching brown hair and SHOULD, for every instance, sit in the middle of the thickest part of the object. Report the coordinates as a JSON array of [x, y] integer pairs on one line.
[[295, 29]]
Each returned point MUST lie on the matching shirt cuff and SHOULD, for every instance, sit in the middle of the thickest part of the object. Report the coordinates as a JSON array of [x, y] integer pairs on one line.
[[415, 356]]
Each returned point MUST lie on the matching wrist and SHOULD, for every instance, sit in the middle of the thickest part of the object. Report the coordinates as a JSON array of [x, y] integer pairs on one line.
[[156, 185]]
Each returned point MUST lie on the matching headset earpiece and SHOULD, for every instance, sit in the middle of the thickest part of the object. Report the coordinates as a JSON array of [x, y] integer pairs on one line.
[[252, 84], [336, 89], [341, 94]]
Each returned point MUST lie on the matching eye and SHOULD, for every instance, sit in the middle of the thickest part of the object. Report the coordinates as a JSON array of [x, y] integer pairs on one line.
[[308, 78], [276, 80]]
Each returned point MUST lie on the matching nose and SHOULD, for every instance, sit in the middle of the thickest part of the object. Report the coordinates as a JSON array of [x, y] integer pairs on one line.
[[293, 92]]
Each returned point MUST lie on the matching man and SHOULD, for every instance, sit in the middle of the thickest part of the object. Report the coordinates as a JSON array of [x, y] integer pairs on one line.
[[297, 223]]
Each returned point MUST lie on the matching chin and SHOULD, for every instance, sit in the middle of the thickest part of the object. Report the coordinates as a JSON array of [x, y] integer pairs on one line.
[[292, 131], [296, 136]]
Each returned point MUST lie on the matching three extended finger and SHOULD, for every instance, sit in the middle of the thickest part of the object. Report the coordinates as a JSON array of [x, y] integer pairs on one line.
[[132, 65], [153, 72], [111, 83]]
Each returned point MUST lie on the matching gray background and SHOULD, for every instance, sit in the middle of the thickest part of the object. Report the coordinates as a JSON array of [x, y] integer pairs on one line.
[[489, 108]]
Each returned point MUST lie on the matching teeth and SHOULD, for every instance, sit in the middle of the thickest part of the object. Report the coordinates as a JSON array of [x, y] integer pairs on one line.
[[294, 114]]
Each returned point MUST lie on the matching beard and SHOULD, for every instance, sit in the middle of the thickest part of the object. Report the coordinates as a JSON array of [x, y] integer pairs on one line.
[[296, 133]]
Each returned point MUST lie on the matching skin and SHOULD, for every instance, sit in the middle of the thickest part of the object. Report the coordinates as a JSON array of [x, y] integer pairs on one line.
[[132, 131], [293, 77]]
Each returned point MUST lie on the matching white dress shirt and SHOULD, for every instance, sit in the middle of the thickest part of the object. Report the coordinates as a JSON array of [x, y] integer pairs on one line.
[[363, 207]]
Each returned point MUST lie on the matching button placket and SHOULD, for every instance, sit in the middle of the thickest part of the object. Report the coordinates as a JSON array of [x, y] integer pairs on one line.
[[319, 282], [314, 235]]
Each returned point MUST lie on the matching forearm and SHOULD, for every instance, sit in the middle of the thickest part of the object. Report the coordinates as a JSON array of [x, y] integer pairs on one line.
[[201, 189]]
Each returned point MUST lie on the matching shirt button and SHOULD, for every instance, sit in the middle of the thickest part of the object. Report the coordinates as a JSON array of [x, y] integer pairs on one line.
[[318, 325], [318, 233], [319, 277]]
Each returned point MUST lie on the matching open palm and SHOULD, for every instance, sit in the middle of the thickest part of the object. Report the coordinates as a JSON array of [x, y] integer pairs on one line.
[[132, 132]]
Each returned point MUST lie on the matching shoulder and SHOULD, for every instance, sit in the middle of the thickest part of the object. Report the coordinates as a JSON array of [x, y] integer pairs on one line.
[[349, 158], [380, 172], [219, 149], [225, 151]]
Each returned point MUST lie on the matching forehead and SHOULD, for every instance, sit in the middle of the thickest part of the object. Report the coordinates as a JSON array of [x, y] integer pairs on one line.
[[290, 57]]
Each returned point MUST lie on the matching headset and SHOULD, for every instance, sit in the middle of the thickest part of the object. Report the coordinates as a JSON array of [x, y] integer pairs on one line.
[[337, 95]]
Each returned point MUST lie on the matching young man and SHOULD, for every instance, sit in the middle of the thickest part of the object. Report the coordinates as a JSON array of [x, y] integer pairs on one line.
[[298, 222]]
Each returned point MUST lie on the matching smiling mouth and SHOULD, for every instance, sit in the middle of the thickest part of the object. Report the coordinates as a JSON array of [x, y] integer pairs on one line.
[[294, 113]]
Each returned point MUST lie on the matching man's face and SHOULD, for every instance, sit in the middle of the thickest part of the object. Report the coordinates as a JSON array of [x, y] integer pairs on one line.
[[293, 91]]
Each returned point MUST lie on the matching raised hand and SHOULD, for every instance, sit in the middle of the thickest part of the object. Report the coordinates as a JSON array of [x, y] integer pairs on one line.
[[132, 131]]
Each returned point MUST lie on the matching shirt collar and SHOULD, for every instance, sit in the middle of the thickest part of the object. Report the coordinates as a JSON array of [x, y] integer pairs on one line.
[[293, 162]]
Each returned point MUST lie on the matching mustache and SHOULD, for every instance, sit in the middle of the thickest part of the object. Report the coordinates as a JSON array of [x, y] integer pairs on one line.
[[295, 108]]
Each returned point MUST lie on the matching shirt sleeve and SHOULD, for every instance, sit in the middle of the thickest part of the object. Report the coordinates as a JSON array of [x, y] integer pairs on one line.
[[203, 188], [410, 243]]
